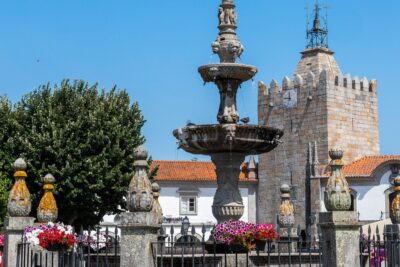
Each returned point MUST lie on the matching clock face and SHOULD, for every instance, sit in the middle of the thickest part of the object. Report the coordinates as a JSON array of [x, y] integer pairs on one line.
[[290, 98]]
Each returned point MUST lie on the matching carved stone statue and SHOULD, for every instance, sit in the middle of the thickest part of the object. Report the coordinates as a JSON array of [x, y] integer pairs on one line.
[[19, 201], [221, 15], [232, 16]]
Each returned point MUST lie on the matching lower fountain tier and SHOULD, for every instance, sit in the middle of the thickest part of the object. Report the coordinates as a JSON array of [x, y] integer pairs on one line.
[[213, 72], [222, 138]]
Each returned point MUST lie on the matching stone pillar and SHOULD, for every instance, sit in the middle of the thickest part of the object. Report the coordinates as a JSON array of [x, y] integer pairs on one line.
[[340, 238], [140, 225], [19, 207], [339, 227]]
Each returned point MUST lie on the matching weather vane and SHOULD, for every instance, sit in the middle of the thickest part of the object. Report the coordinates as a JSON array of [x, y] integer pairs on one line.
[[317, 36]]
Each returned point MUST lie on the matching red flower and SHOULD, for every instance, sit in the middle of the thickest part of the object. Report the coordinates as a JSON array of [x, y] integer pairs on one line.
[[54, 239]]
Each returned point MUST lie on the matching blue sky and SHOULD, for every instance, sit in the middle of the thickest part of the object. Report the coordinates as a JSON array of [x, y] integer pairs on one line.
[[153, 48]]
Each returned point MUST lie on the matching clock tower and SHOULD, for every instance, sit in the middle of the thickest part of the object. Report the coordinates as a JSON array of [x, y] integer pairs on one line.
[[318, 108]]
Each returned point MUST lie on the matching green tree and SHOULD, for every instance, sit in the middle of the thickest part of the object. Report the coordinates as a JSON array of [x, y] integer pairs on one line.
[[85, 138], [7, 126]]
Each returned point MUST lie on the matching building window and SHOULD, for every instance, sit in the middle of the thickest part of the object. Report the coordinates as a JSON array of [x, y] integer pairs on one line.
[[188, 205]]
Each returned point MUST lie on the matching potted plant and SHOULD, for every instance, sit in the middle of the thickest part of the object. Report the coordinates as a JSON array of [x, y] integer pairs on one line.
[[234, 236], [264, 233], [50, 237]]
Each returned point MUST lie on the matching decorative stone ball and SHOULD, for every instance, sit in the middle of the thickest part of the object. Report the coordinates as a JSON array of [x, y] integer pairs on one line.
[[49, 179], [336, 153], [19, 165], [141, 153], [285, 188], [155, 187]]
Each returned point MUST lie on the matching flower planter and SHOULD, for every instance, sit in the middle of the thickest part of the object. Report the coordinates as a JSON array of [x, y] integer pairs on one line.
[[57, 248], [220, 248], [238, 248], [260, 245], [217, 248]]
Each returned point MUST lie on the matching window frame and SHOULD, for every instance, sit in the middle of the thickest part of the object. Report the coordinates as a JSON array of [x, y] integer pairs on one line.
[[188, 197]]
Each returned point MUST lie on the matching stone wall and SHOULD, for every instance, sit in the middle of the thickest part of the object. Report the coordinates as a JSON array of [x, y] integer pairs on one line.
[[328, 113]]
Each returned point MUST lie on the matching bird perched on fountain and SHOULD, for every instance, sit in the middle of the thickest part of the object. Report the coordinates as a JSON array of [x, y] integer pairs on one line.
[[245, 120], [189, 123]]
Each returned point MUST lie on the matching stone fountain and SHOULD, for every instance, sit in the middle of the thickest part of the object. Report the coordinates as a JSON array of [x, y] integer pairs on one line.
[[228, 143]]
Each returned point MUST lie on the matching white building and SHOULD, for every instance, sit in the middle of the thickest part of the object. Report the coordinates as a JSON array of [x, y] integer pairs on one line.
[[188, 188]]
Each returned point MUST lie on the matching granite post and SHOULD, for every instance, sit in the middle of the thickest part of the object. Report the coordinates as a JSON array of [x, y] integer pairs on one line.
[[19, 206], [139, 226], [339, 227]]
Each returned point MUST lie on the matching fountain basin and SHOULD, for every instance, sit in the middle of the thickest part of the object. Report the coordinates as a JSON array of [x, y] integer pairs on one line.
[[213, 72], [222, 138]]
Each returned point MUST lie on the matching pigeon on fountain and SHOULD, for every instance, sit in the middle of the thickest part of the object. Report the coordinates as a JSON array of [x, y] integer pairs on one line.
[[189, 123], [245, 120]]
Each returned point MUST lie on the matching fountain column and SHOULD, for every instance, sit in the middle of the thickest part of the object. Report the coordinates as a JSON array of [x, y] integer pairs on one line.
[[228, 203]]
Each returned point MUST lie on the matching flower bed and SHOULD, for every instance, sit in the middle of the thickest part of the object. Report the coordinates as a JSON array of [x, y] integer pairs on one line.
[[245, 234], [50, 237]]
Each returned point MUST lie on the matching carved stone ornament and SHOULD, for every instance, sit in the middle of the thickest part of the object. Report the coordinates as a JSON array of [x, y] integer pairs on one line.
[[140, 196], [337, 195], [157, 207], [47, 210], [286, 210], [19, 201], [395, 204]]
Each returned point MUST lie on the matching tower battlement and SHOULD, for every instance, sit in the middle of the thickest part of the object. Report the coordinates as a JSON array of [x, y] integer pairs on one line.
[[311, 84]]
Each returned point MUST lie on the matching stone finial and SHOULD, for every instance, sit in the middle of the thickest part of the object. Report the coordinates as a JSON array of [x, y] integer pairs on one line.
[[140, 195], [252, 168], [47, 210], [395, 204], [286, 210], [337, 195], [156, 206], [19, 201]]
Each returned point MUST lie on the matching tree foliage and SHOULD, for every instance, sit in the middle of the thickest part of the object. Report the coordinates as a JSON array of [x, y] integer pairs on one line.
[[85, 138]]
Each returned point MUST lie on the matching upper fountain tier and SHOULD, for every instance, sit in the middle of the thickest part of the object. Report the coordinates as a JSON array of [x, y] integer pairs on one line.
[[228, 75], [228, 138]]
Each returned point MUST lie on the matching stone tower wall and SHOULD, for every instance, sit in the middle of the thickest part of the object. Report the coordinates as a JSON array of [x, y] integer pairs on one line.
[[327, 114], [353, 116]]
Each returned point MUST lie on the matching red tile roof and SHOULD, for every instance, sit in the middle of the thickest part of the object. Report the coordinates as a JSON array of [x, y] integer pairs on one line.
[[366, 166], [189, 171]]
